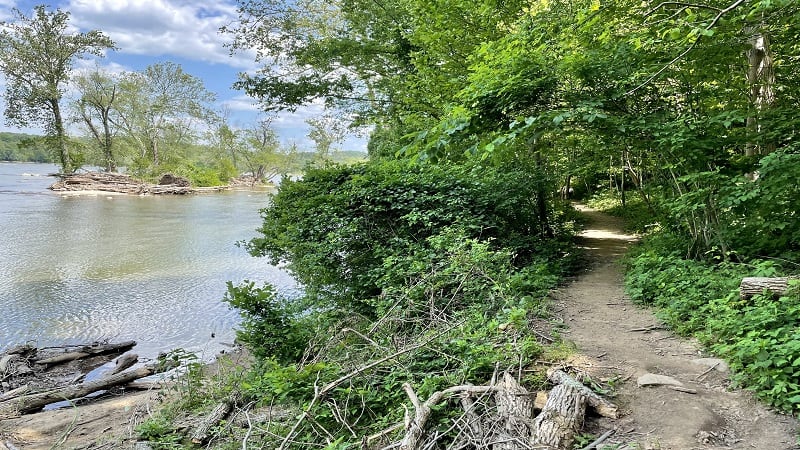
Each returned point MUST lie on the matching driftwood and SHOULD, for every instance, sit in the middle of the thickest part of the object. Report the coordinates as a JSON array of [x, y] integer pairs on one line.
[[125, 362], [118, 183], [751, 286], [510, 424], [29, 403], [86, 351], [201, 433]]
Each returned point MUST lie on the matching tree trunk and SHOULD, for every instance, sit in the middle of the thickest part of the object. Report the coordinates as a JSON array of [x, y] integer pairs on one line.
[[562, 417], [760, 80], [61, 138], [108, 152]]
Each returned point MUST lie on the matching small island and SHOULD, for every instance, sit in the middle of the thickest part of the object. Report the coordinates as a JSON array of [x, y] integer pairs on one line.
[[119, 183]]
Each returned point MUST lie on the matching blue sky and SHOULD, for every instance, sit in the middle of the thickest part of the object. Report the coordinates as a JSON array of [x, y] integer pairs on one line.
[[184, 32]]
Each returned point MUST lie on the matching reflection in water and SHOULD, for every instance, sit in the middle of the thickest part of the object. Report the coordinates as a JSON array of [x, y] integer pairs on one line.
[[151, 269]]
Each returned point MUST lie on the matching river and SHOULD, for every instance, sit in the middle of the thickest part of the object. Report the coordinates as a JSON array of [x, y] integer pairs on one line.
[[150, 269]]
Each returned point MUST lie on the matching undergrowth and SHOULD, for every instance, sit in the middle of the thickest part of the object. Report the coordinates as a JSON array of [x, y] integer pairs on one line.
[[414, 277], [759, 337]]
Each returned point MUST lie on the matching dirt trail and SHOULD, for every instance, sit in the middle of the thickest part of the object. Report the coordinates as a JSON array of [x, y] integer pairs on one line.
[[616, 338]]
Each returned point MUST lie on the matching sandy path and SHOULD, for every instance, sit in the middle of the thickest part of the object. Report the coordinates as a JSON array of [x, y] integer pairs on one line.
[[600, 321]]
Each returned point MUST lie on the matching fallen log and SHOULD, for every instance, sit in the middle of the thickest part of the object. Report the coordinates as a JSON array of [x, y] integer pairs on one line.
[[124, 362], [86, 351], [514, 410], [222, 410], [776, 286], [599, 404], [22, 390], [34, 402], [511, 425], [562, 417]]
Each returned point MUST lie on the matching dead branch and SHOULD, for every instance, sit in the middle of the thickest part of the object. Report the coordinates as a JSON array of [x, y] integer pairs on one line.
[[333, 384], [599, 404]]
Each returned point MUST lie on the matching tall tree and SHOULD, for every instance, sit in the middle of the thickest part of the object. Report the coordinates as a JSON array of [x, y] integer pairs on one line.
[[98, 94], [36, 56], [159, 104]]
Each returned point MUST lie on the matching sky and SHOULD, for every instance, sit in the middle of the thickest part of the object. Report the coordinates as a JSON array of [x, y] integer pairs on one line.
[[184, 32]]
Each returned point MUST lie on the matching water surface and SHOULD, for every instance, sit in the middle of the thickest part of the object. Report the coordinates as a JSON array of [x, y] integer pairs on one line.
[[151, 269]]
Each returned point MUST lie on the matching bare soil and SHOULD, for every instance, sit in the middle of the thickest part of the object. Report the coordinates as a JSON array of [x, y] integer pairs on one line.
[[618, 342]]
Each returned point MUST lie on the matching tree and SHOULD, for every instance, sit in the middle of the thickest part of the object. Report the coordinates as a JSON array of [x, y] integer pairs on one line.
[[395, 65], [36, 56], [262, 153], [98, 94], [160, 106], [326, 131]]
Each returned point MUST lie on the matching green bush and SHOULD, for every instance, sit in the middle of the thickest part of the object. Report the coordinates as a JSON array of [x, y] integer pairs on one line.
[[444, 267], [335, 227]]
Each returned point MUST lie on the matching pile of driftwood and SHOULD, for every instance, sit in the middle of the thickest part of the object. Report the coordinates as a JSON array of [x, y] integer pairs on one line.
[[32, 378], [121, 183]]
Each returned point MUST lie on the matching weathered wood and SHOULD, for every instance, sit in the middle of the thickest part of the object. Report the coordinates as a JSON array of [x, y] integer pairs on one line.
[[201, 433], [20, 350], [36, 401], [124, 362], [555, 427], [61, 358], [86, 351], [7, 362], [599, 404], [514, 410], [751, 286], [22, 390]]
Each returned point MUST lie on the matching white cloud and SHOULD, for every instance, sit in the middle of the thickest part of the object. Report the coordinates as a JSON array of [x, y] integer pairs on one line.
[[241, 103], [156, 28]]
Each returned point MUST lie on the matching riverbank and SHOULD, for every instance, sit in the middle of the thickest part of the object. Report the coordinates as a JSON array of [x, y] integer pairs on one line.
[[111, 421]]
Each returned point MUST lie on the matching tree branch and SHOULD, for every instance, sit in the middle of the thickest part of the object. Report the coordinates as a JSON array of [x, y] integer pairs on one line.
[[714, 22]]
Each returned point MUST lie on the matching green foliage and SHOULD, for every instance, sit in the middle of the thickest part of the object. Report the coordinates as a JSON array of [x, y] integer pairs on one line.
[[160, 431], [268, 326], [757, 336], [760, 337], [335, 227], [23, 148], [36, 56]]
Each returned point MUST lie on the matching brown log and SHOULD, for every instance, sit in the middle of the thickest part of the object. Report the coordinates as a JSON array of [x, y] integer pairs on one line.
[[34, 402], [751, 286], [221, 411], [61, 358], [84, 351]]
